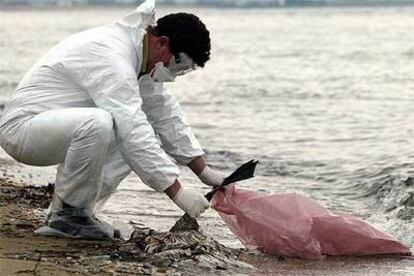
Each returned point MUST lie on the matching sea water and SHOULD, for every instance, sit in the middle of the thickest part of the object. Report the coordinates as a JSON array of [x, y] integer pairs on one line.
[[323, 97]]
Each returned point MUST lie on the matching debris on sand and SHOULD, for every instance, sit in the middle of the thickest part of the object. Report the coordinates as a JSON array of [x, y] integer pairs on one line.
[[146, 252]]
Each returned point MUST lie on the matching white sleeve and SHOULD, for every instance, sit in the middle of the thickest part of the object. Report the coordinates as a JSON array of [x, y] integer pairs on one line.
[[165, 115], [111, 81]]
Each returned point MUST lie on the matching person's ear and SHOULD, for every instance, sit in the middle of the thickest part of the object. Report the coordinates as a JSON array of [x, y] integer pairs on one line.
[[164, 41]]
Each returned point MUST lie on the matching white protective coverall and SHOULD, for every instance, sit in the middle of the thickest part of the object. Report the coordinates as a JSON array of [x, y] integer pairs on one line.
[[83, 107]]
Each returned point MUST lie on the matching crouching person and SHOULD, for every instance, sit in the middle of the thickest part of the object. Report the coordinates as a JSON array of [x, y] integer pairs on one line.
[[95, 104]]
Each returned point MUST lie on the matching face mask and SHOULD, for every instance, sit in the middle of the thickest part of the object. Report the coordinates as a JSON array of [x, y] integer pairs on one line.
[[160, 73], [176, 67]]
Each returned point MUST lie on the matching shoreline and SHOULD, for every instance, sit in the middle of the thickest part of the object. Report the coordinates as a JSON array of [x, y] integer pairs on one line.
[[148, 251]]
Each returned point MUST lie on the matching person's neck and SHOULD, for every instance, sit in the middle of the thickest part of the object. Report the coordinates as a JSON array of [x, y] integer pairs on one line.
[[145, 54]]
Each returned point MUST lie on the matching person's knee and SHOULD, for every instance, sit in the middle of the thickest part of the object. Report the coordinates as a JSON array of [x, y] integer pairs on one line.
[[100, 126]]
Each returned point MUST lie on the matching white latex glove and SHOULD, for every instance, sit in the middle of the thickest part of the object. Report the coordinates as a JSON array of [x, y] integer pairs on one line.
[[191, 202], [211, 177]]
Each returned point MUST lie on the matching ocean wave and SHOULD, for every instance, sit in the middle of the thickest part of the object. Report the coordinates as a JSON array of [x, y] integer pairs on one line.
[[395, 196]]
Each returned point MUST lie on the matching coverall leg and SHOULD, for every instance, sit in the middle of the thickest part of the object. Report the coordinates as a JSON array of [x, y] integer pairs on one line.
[[82, 141]]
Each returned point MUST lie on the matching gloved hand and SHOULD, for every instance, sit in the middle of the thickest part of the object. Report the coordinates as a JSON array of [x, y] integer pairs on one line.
[[191, 202], [211, 177]]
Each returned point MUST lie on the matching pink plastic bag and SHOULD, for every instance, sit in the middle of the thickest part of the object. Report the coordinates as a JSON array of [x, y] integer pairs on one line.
[[292, 225]]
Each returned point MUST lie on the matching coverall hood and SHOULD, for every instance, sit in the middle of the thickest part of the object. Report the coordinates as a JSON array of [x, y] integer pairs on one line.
[[138, 20]]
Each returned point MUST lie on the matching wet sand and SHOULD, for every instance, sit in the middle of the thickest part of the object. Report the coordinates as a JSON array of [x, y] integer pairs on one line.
[[23, 253], [146, 252]]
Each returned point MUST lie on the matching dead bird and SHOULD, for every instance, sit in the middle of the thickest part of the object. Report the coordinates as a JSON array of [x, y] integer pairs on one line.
[[245, 171]]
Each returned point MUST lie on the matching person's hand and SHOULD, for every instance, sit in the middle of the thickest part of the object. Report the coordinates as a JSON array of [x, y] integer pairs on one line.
[[191, 202], [211, 177]]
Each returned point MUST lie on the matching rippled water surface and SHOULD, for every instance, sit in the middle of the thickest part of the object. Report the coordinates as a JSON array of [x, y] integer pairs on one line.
[[322, 97]]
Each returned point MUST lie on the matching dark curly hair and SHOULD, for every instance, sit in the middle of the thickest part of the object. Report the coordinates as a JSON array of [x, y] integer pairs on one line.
[[187, 34]]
